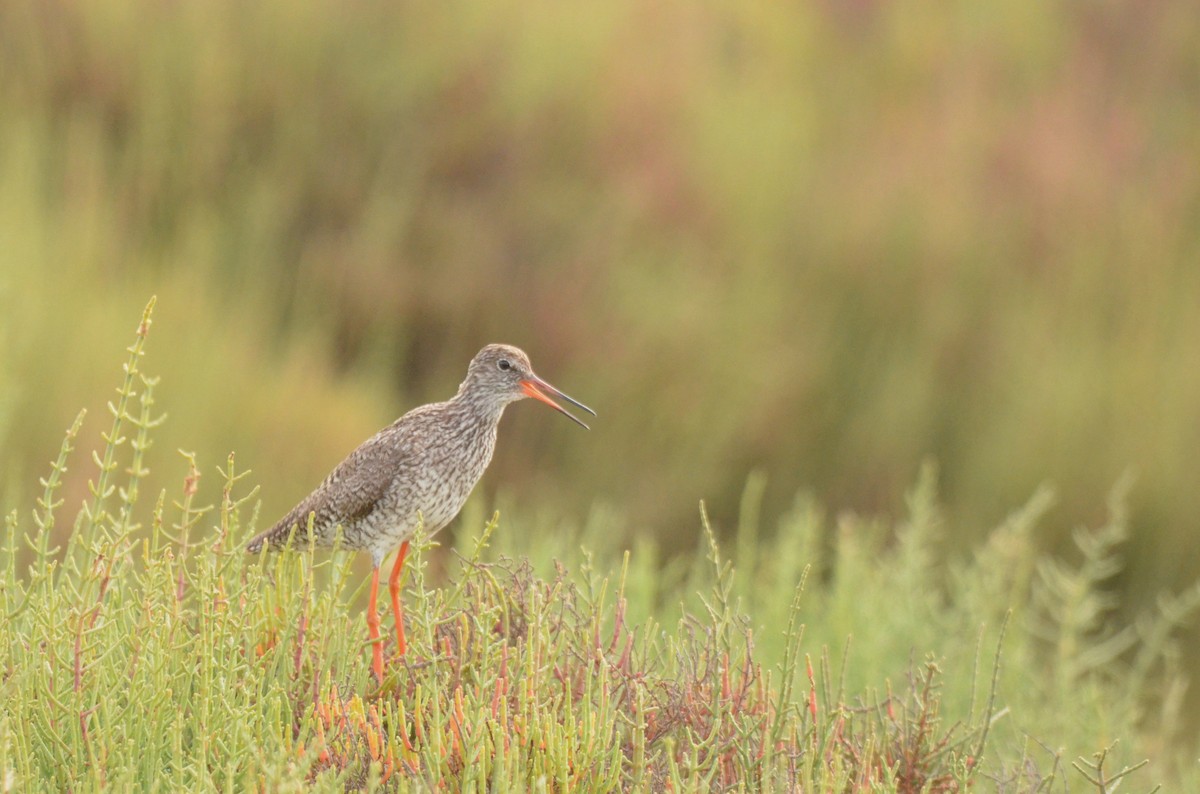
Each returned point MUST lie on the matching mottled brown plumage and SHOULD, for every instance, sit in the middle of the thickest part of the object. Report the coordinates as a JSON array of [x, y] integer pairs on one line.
[[417, 471]]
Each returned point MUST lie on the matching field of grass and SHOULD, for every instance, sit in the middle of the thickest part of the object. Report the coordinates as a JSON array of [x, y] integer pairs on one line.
[[149, 652]]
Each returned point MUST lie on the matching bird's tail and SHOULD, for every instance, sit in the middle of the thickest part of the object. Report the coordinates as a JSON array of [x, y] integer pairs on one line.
[[258, 541], [274, 538], [278, 536]]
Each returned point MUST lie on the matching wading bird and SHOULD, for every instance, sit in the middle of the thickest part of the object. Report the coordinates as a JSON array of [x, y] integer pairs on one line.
[[417, 471]]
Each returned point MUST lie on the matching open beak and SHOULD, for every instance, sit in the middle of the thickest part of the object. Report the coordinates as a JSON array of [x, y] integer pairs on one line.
[[538, 389]]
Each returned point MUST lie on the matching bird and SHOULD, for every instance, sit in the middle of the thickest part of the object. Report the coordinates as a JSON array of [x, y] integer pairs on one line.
[[416, 472]]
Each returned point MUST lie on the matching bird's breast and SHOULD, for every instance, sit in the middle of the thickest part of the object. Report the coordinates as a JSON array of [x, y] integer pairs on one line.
[[438, 490]]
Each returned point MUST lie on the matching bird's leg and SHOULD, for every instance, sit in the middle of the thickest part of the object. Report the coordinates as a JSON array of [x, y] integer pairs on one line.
[[394, 589], [373, 625]]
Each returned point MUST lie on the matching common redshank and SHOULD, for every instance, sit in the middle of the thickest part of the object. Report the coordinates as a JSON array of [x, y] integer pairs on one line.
[[418, 470]]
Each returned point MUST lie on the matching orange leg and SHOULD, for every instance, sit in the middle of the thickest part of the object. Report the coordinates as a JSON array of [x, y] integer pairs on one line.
[[394, 588], [373, 626]]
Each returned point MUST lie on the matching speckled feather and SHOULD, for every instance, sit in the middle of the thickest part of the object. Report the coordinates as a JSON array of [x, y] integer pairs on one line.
[[422, 467]]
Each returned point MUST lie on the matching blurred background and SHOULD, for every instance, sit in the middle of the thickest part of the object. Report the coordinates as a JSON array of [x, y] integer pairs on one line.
[[821, 240]]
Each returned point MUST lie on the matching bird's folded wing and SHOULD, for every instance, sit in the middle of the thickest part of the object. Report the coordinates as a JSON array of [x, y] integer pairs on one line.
[[349, 494]]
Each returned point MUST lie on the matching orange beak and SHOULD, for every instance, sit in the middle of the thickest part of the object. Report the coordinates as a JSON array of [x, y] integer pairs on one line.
[[538, 389]]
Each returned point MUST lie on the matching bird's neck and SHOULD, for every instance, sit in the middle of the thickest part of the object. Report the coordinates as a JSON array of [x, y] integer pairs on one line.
[[476, 406]]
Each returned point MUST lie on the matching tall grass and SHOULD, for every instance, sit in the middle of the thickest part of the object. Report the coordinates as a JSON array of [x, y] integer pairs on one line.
[[148, 652]]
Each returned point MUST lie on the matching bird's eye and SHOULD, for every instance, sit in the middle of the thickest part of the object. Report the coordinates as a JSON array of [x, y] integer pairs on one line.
[[503, 364]]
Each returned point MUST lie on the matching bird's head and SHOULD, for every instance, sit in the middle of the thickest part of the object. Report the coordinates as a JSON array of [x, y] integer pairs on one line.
[[501, 374]]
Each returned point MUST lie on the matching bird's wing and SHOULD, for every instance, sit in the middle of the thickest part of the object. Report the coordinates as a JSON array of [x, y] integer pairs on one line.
[[350, 492]]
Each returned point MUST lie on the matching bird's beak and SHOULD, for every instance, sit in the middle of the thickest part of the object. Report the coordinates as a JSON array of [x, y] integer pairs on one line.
[[538, 389]]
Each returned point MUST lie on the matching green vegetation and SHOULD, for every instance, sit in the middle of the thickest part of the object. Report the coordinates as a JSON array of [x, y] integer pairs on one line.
[[149, 652]]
